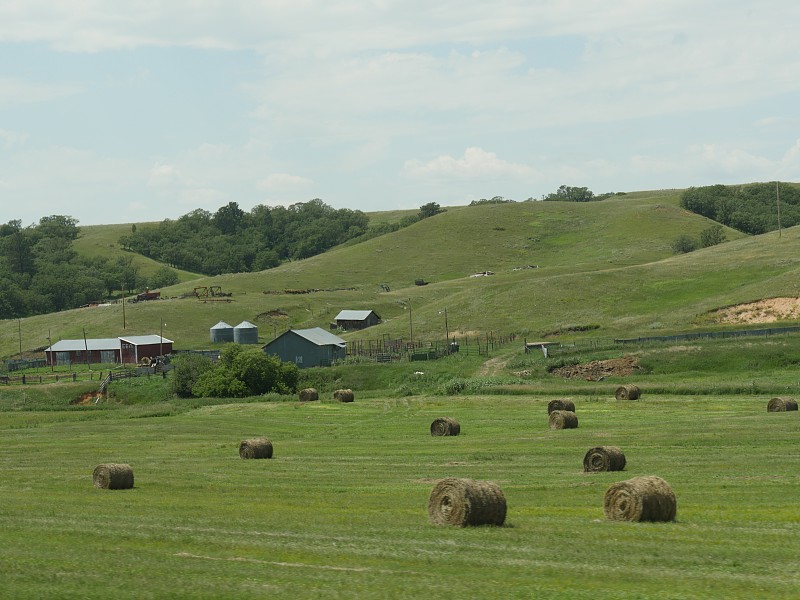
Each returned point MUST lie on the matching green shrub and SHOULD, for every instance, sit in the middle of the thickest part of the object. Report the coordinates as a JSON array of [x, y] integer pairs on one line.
[[684, 244], [188, 369], [455, 386]]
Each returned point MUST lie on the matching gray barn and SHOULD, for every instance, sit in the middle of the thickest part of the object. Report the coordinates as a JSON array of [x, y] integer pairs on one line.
[[307, 347]]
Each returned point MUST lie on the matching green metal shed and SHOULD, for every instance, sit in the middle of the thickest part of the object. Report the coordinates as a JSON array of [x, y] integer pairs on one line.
[[307, 347]]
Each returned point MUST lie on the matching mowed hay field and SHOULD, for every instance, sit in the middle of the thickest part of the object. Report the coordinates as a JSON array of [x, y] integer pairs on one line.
[[340, 511]]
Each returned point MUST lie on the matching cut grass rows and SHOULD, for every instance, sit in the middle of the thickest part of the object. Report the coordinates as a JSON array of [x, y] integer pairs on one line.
[[341, 508]]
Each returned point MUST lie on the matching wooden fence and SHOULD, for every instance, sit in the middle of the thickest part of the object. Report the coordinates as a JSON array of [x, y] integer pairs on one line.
[[104, 380]]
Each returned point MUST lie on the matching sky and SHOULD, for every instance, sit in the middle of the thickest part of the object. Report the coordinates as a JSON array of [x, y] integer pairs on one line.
[[133, 111]]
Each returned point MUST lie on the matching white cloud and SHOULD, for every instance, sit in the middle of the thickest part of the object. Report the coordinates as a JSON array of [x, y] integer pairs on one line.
[[207, 198], [12, 138], [14, 92], [475, 164], [164, 175], [283, 182]]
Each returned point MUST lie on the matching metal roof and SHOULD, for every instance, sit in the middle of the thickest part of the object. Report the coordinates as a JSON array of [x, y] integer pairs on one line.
[[353, 315], [144, 340], [222, 325], [246, 325], [105, 343], [75, 345], [320, 337]]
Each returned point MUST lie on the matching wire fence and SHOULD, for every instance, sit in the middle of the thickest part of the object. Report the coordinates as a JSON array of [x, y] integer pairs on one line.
[[397, 349]]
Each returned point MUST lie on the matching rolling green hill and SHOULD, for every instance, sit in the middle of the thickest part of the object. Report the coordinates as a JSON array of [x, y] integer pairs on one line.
[[556, 266], [103, 240]]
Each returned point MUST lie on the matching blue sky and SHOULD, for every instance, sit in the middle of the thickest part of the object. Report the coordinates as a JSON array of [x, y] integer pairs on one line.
[[118, 112]]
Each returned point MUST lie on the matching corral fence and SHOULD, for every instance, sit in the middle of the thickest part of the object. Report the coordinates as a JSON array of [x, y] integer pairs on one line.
[[608, 343], [103, 377], [213, 355], [22, 364], [398, 349], [683, 337]]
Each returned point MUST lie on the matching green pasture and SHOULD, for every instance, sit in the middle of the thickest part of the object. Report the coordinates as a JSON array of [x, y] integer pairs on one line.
[[341, 509]]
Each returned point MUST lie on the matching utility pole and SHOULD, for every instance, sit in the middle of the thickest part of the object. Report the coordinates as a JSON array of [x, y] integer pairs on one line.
[[123, 305], [52, 357], [778, 198], [19, 330], [86, 346], [410, 322], [161, 339]]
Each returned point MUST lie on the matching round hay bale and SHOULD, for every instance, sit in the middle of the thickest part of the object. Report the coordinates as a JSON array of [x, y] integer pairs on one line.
[[343, 395], [113, 476], [563, 419], [309, 394], [255, 448], [445, 426], [604, 458], [781, 404], [560, 404], [462, 502], [646, 498], [627, 392]]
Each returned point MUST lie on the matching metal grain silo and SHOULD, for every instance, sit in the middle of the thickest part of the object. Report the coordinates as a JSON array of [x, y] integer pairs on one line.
[[222, 332], [245, 333]]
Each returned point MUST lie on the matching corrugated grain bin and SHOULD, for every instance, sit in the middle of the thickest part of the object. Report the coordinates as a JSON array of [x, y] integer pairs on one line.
[[222, 332], [245, 333]]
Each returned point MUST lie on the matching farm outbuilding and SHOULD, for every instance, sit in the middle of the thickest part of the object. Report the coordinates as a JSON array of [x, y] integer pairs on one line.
[[307, 347], [127, 350], [356, 319]]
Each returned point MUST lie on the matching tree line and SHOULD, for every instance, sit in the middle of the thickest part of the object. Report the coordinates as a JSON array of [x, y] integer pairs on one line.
[[40, 272], [231, 240], [751, 208]]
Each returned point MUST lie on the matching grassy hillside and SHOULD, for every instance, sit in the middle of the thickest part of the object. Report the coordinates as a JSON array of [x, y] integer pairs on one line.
[[608, 264], [103, 240]]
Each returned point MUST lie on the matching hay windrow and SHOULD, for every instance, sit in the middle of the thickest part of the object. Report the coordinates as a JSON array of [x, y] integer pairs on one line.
[[466, 502], [344, 395], [604, 458], [781, 404], [445, 426], [628, 391], [309, 395], [255, 448], [646, 498], [560, 404], [563, 419], [113, 476]]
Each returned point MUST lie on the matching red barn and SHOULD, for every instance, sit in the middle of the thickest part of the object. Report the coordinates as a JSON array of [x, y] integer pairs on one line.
[[128, 350]]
